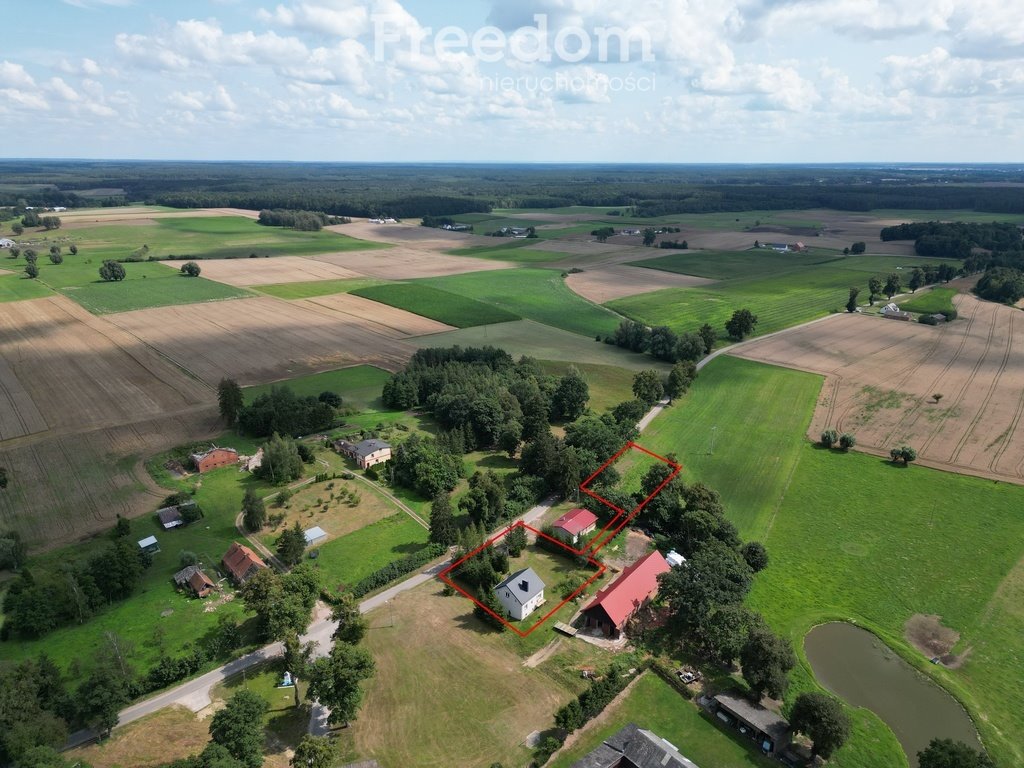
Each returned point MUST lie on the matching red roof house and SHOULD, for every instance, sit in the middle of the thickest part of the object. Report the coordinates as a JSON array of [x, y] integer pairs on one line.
[[574, 524], [215, 458], [613, 606], [241, 562]]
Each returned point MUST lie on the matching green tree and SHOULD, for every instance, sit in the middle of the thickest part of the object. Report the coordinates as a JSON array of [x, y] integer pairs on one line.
[[281, 461], [516, 541], [442, 520], [489, 600], [679, 379], [723, 633], [112, 271], [649, 236], [282, 604], [31, 257], [859, 247], [766, 659], [904, 453], [874, 289], [73, 249], [892, 285], [47, 757], [3, 478], [946, 753], [335, 681], [851, 304], [101, 697], [18, 228], [823, 720], [847, 441], [716, 576], [916, 279], [829, 438], [647, 387], [510, 438], [55, 255], [239, 727], [709, 335], [351, 622], [571, 395], [741, 324], [230, 400], [254, 513], [31, 270], [191, 269], [755, 555], [690, 347], [291, 544], [314, 752]]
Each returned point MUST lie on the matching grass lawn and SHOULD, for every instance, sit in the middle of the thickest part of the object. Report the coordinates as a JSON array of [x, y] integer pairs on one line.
[[437, 303], [930, 302], [534, 294], [654, 705], [315, 288], [207, 237], [544, 343], [852, 537], [347, 559], [173, 733], [609, 385], [17, 287], [359, 386], [727, 265]]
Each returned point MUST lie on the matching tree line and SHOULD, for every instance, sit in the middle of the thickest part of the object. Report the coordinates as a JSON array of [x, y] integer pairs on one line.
[[305, 221]]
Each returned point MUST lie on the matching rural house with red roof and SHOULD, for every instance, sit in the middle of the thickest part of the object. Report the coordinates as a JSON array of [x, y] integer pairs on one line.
[[241, 563], [574, 525], [215, 458], [614, 605]]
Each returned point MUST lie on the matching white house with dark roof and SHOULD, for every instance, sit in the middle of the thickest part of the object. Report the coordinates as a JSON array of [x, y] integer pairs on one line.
[[521, 593], [366, 453]]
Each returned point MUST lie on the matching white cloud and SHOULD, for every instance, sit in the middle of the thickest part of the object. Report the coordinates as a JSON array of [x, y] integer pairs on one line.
[[219, 100], [15, 76], [774, 87], [24, 99], [62, 90], [940, 74]]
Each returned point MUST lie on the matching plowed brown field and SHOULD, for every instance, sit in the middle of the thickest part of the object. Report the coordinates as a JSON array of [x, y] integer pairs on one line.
[[882, 376]]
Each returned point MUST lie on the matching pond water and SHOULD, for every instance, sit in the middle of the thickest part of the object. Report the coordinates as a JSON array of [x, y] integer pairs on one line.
[[861, 669]]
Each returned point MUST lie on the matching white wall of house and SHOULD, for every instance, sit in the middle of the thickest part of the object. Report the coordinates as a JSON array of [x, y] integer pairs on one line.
[[517, 610], [377, 457]]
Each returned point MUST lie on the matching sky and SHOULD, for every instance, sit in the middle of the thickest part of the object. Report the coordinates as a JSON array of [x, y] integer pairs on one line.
[[620, 81]]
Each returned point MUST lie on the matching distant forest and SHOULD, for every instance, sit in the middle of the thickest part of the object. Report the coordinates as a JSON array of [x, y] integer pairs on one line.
[[407, 191]]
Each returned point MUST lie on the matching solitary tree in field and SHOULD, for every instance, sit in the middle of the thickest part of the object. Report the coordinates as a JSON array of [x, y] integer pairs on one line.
[[821, 718], [191, 269], [17, 228], [230, 400], [112, 271], [56, 257], [829, 438], [859, 247], [847, 441], [851, 304], [73, 249], [741, 324], [31, 270], [649, 236], [905, 453], [892, 285], [874, 288]]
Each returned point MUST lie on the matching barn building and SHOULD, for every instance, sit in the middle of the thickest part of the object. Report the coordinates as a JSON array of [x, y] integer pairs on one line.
[[614, 605]]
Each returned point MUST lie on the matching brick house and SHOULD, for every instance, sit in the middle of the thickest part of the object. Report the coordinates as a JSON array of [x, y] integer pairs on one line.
[[241, 563], [215, 458], [614, 605]]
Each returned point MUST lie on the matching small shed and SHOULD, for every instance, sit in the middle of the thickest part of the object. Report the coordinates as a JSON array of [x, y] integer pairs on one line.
[[170, 517], [314, 535], [769, 730], [149, 545]]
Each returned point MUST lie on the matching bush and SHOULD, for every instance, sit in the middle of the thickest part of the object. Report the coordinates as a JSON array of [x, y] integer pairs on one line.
[[829, 438], [191, 269], [927, 320], [847, 441]]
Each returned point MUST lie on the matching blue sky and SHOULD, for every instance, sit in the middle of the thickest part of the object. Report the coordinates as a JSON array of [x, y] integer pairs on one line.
[[374, 80]]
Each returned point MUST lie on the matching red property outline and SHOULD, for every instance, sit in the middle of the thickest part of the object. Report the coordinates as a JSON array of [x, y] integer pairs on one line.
[[596, 543], [592, 548], [443, 576]]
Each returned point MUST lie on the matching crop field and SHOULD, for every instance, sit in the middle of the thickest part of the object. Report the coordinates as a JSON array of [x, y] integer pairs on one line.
[[359, 386], [310, 290], [930, 302], [267, 272], [448, 690], [16, 287], [780, 299], [534, 294], [206, 237], [607, 283], [852, 536], [380, 318], [402, 262], [882, 381], [655, 705], [543, 342], [729, 265], [259, 340], [438, 304]]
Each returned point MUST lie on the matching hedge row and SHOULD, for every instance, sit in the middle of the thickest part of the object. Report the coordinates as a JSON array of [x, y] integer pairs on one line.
[[594, 699], [396, 569]]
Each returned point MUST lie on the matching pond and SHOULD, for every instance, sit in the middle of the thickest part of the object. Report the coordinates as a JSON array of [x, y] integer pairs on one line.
[[857, 666]]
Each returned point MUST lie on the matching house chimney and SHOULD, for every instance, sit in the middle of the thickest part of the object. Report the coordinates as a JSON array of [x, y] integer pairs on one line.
[[524, 585]]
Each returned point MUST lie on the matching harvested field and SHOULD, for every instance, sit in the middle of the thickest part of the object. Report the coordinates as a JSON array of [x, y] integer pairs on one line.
[[882, 376], [283, 269], [380, 318], [407, 263], [615, 282], [426, 238], [262, 339], [64, 368]]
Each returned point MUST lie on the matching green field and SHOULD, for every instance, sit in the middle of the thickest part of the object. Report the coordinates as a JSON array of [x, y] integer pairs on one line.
[[508, 251], [853, 537], [315, 288], [780, 299], [207, 237], [654, 705], [727, 265], [17, 287], [437, 304], [359, 386], [348, 559], [930, 302], [526, 337], [534, 294]]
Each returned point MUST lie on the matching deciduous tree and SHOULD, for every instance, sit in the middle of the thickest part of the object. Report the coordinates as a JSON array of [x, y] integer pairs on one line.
[[647, 387], [335, 681], [710, 336], [851, 304], [823, 720], [571, 395], [741, 324], [767, 659], [112, 271], [239, 727], [946, 753], [314, 752], [874, 289], [190, 269], [893, 285], [351, 623]]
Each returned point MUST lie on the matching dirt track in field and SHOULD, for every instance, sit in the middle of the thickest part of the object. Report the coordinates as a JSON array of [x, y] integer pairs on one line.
[[607, 283], [261, 339], [881, 377], [245, 273]]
